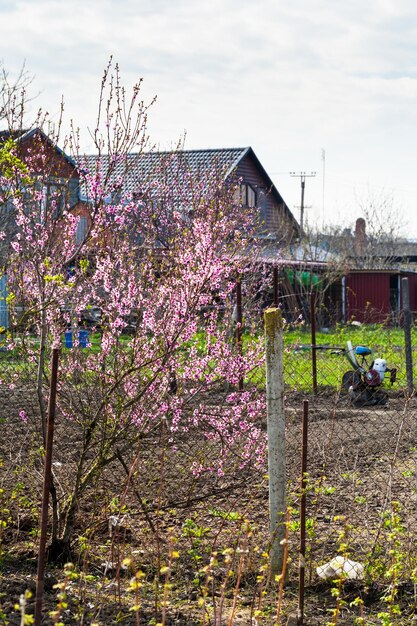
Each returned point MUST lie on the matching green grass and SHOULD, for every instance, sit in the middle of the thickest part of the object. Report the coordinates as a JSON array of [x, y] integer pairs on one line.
[[384, 342]]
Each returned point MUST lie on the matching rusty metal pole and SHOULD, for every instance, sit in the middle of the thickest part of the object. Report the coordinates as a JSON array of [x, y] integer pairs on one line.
[[46, 487], [303, 503], [275, 283], [313, 340], [239, 323], [407, 335]]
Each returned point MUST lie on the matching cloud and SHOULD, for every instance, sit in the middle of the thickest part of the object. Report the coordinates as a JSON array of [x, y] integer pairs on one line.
[[287, 78]]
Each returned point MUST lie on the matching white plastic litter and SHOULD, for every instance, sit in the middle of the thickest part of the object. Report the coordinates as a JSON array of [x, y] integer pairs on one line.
[[339, 567]]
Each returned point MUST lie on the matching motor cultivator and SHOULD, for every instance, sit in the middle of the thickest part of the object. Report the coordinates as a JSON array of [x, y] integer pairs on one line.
[[363, 382]]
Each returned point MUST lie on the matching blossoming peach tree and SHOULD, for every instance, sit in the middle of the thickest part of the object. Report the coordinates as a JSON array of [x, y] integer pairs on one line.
[[161, 264]]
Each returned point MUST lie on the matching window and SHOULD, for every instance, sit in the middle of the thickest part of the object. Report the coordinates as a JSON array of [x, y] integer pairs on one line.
[[56, 198], [81, 232], [247, 195], [53, 199]]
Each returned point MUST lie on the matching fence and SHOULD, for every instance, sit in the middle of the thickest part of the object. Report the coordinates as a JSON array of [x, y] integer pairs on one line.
[[362, 469], [360, 486]]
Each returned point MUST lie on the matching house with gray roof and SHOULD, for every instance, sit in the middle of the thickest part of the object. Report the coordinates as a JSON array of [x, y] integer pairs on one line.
[[277, 225]]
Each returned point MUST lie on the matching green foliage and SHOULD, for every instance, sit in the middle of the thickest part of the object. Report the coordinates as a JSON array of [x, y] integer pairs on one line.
[[226, 515], [5, 519], [11, 166], [84, 264], [196, 535]]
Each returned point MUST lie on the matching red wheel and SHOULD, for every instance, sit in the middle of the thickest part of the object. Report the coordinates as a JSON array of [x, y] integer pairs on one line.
[[372, 378]]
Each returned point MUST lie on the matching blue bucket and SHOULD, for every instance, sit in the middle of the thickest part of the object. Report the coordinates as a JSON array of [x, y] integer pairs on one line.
[[83, 338], [68, 339]]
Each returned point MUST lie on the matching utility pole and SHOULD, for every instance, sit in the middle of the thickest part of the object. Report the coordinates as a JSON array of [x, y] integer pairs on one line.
[[323, 158], [302, 176]]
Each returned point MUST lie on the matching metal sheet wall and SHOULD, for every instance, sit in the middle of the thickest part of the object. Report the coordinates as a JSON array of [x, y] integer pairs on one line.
[[368, 297]]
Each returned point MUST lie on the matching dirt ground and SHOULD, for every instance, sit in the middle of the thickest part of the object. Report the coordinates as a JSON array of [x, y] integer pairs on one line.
[[360, 462]]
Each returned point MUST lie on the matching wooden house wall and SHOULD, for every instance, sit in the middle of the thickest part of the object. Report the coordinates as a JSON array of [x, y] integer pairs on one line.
[[45, 158], [51, 164], [47, 161], [272, 213]]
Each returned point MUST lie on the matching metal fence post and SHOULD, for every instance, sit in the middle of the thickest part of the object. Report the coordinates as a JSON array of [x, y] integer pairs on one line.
[[239, 323], [46, 487], [4, 312], [303, 504], [275, 285], [274, 348], [407, 335], [313, 340]]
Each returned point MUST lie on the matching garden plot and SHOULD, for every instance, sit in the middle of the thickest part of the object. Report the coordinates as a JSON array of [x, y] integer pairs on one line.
[[362, 480]]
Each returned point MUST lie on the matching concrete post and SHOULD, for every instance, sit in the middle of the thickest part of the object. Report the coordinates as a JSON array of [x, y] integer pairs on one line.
[[274, 347]]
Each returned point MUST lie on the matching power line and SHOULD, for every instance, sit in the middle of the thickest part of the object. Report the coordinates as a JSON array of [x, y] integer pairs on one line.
[[323, 158], [302, 176]]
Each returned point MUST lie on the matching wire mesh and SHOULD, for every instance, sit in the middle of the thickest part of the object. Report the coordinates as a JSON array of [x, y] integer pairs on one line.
[[362, 454], [207, 490]]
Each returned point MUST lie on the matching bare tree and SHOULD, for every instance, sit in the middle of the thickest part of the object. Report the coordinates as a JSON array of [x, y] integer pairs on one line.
[[378, 241], [373, 240], [13, 102], [13, 97]]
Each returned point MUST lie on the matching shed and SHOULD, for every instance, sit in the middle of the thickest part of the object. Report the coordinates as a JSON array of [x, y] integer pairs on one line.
[[374, 296]]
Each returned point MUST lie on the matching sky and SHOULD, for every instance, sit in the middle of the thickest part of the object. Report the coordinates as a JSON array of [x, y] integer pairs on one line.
[[311, 85]]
